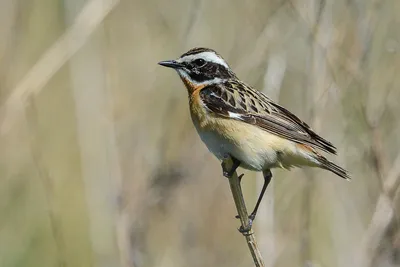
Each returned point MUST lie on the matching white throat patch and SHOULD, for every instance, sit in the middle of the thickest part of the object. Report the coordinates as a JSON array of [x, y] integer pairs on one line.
[[183, 74]]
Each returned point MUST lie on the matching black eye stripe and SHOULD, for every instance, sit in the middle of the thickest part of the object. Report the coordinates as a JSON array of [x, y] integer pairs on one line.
[[209, 71]]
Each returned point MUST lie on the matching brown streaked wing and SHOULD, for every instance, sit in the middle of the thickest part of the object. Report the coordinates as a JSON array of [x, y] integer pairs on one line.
[[255, 108]]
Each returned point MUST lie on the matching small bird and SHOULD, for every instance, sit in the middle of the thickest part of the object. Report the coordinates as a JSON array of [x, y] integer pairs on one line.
[[234, 119]]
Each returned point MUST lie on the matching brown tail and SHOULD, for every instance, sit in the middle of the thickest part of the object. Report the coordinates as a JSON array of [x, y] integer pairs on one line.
[[330, 166]]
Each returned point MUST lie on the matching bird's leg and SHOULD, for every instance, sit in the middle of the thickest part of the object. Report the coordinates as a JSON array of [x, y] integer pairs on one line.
[[229, 173], [240, 178], [267, 178]]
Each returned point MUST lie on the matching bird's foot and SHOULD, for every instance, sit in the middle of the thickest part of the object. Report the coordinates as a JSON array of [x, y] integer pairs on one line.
[[229, 173], [251, 217], [246, 230], [225, 172]]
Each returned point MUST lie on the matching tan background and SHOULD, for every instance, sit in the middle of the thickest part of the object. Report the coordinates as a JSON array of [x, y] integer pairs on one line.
[[100, 164]]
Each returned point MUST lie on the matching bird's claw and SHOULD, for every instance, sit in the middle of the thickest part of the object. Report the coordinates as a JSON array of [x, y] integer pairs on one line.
[[246, 230], [235, 165], [225, 172], [251, 217]]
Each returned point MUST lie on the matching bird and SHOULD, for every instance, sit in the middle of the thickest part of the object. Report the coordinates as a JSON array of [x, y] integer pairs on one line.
[[234, 119]]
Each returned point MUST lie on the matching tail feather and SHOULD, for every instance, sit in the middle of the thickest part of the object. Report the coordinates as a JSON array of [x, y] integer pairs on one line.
[[330, 166]]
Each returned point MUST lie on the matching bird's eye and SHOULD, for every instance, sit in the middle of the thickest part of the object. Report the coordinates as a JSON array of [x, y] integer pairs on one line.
[[199, 62]]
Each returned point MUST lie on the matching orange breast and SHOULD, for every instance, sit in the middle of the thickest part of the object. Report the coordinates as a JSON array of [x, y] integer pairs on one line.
[[197, 109], [191, 87]]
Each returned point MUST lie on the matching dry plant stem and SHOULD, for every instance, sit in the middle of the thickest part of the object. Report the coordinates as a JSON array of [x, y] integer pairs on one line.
[[242, 211]]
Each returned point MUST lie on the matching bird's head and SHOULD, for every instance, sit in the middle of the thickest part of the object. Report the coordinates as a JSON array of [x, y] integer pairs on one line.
[[200, 67]]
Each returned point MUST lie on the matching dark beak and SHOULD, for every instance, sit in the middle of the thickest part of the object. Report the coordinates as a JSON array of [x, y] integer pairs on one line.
[[171, 64]]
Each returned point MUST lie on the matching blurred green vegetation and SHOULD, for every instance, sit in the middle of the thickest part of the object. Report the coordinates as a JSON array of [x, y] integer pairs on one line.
[[100, 164]]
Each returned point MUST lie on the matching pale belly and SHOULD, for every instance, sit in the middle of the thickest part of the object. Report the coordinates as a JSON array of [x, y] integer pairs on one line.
[[251, 157], [255, 148]]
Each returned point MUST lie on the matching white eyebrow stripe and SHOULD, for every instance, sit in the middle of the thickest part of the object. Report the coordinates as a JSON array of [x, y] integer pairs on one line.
[[207, 56]]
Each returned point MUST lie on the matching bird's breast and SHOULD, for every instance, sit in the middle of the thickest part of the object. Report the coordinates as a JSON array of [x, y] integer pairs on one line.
[[254, 147]]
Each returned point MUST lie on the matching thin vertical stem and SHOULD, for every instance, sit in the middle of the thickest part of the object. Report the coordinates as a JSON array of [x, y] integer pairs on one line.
[[243, 215]]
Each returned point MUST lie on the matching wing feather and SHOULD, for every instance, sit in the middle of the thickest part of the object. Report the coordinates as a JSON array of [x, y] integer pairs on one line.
[[255, 108]]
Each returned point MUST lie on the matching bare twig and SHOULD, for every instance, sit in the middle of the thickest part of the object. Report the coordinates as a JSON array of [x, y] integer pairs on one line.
[[242, 211]]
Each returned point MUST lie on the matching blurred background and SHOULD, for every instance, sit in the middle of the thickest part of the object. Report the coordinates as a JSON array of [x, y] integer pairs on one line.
[[100, 164]]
